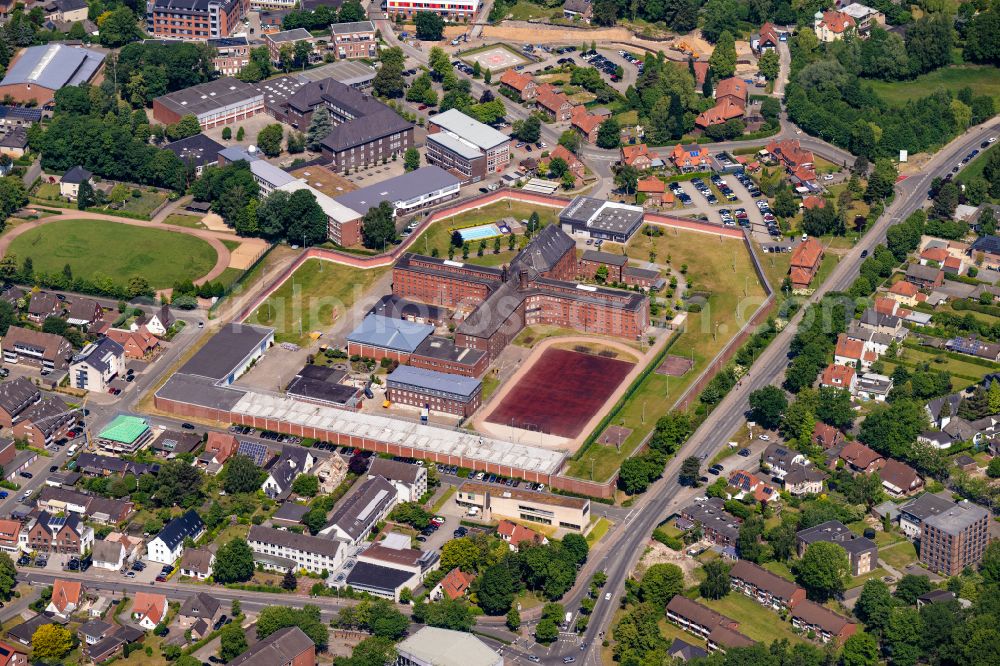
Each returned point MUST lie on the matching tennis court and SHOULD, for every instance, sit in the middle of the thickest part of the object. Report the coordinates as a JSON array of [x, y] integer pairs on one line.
[[561, 392]]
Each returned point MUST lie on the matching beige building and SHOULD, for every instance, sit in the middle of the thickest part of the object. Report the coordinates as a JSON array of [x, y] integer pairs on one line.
[[568, 513]]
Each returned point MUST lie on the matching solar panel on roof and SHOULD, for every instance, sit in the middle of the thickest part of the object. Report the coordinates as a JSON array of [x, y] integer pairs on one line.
[[254, 450]]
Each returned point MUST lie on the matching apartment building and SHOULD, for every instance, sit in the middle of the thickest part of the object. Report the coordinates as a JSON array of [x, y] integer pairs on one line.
[[354, 40], [434, 391], [43, 350], [453, 10], [410, 480], [194, 20], [96, 365], [466, 147], [357, 514], [766, 588], [862, 552], [281, 550], [232, 54], [955, 539]]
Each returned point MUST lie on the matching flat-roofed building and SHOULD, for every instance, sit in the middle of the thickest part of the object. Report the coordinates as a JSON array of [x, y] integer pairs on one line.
[[569, 513], [423, 187], [454, 10], [442, 355], [37, 72], [194, 20], [432, 646], [465, 146], [323, 385], [602, 219], [196, 151], [381, 337], [434, 391], [125, 434], [354, 40], [229, 353], [221, 102], [913, 514], [955, 539]]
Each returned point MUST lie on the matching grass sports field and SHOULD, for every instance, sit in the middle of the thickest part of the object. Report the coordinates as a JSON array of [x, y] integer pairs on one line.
[[983, 80], [312, 298], [97, 248]]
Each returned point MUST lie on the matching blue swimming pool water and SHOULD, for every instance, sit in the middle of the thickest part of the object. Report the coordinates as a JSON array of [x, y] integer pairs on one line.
[[481, 232]]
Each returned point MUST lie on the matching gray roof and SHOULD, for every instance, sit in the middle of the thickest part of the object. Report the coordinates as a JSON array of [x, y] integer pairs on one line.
[[225, 350], [682, 649], [290, 512], [357, 512], [195, 390], [459, 386], [834, 531], [96, 355], [271, 174], [17, 394], [394, 470], [478, 134], [922, 272], [294, 541], [178, 529], [423, 181], [76, 174], [198, 560], [802, 474], [289, 465], [294, 35], [396, 334], [200, 605], [445, 647], [354, 26], [281, 647], [237, 154], [456, 145], [348, 72], [367, 576], [95, 628], [197, 150], [107, 551], [445, 349], [17, 137], [544, 251], [605, 257], [53, 66], [208, 97], [959, 517], [365, 129], [926, 505]]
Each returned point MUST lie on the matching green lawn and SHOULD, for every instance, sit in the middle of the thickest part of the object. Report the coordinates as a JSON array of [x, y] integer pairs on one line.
[[899, 555], [759, 623], [182, 220], [438, 235], [526, 11], [720, 266], [144, 204], [312, 298], [97, 249], [229, 276], [858, 581], [983, 80], [826, 267], [779, 568], [975, 168], [599, 530]]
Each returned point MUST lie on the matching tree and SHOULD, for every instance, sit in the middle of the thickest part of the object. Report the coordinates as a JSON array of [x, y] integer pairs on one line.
[[557, 167], [232, 642], [178, 483], [241, 475], [240, 132], [627, 178], [723, 58], [319, 127], [378, 227], [85, 197], [661, 583], [233, 562], [822, 570], [462, 553], [528, 130], [546, 631], [289, 581], [570, 140], [513, 620], [609, 134], [51, 641], [119, 27], [882, 180], [187, 126], [911, 587], [8, 575], [767, 405], [768, 64], [430, 26], [411, 513], [576, 547], [411, 159], [716, 584], [874, 606], [269, 140], [389, 81], [835, 408], [784, 203], [993, 469], [945, 201], [227, 132], [307, 618], [305, 485], [859, 650], [690, 470], [496, 590]]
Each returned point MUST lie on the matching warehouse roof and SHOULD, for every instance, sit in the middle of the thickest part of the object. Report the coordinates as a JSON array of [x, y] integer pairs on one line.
[[425, 180], [470, 129], [225, 350], [348, 72], [444, 647], [53, 66], [456, 144], [396, 334], [197, 150], [207, 97]]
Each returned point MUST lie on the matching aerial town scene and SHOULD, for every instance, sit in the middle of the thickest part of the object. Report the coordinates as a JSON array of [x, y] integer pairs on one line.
[[499, 332]]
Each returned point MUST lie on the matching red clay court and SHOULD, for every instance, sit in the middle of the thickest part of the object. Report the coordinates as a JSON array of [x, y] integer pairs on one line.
[[561, 392]]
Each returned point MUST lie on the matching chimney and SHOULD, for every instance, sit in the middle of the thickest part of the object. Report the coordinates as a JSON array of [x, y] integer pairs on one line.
[[503, 273], [522, 280]]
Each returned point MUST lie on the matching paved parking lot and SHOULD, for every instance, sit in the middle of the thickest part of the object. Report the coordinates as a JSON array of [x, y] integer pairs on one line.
[[700, 206]]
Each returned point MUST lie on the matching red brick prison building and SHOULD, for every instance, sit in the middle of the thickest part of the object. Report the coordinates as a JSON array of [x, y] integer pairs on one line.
[[536, 288]]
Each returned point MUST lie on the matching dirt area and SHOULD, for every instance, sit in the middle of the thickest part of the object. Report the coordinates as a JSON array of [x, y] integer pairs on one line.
[[657, 553], [914, 164], [247, 253], [214, 222], [324, 180], [521, 31]]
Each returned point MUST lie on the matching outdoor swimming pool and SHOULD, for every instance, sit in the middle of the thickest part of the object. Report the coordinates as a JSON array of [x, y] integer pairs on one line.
[[483, 231]]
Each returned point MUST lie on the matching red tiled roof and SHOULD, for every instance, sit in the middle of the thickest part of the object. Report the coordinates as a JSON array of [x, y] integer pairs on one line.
[[807, 254], [516, 80], [837, 22], [152, 606], [725, 110], [516, 533], [953, 262], [552, 101], [769, 34], [848, 348], [700, 72], [859, 455], [886, 305], [937, 254], [732, 87], [813, 202], [904, 288], [790, 153], [837, 375], [825, 435], [66, 592], [456, 583], [562, 153], [586, 122], [652, 184]]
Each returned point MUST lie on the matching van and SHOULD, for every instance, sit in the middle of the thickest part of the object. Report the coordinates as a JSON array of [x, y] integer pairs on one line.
[[72, 449], [473, 510], [569, 618]]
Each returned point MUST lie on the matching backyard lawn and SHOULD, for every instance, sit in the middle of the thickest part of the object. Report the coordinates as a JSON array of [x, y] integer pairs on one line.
[[759, 623], [983, 80], [142, 205], [525, 11], [98, 249], [438, 235], [722, 268], [899, 555], [312, 298], [182, 220]]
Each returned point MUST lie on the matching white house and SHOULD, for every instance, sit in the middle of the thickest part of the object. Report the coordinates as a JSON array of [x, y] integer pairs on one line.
[[109, 555], [99, 363], [282, 475], [159, 322], [198, 563], [280, 550], [168, 545], [149, 609], [410, 480], [69, 184]]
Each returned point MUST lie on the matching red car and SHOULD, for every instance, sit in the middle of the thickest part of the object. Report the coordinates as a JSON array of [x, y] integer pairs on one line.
[[71, 434]]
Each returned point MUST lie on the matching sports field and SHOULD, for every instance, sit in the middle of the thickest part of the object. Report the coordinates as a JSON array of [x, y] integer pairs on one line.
[[561, 392], [101, 249]]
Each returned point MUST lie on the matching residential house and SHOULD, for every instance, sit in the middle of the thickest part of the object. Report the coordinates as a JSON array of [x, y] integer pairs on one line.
[[292, 462], [10, 531], [67, 595], [906, 293], [804, 480], [94, 631], [985, 252], [14, 144], [137, 344], [69, 184], [974, 347], [455, 585], [655, 192], [711, 518], [865, 18], [638, 155], [522, 84], [825, 624], [83, 312], [94, 368], [731, 97], [578, 9], [826, 436], [198, 614], [684, 651], [859, 459], [555, 105], [861, 551], [43, 305], [355, 39], [851, 352], [924, 277], [410, 480], [941, 410], [168, 545], [159, 321], [767, 38], [219, 447], [746, 484], [44, 350], [93, 464], [576, 167], [884, 323], [791, 156], [281, 550], [64, 534], [899, 479], [94, 508], [873, 386], [357, 514], [935, 597], [286, 647], [780, 459], [766, 588], [197, 563], [514, 534], [831, 26], [174, 442], [16, 395], [148, 609], [839, 376], [692, 157], [806, 259], [108, 555], [586, 124]]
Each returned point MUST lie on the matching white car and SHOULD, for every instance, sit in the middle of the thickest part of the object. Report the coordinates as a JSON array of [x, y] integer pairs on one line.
[[828, 176], [992, 139], [764, 438], [607, 596]]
